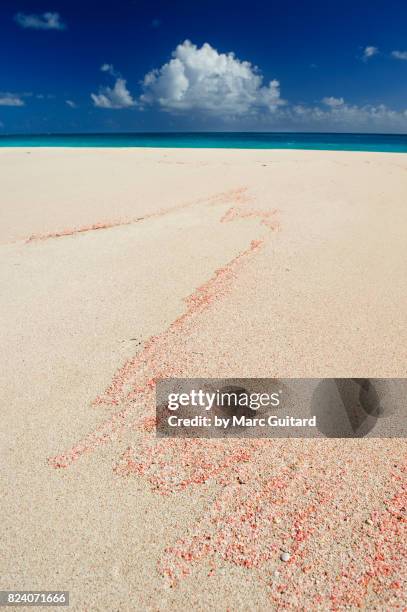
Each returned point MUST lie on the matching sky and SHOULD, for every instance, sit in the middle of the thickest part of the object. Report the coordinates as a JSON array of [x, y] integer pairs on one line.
[[203, 65]]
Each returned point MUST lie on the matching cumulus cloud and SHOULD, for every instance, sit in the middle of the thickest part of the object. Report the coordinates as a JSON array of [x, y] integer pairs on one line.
[[46, 21], [205, 80], [71, 104], [221, 87], [401, 55], [115, 97], [369, 51], [331, 101], [9, 99]]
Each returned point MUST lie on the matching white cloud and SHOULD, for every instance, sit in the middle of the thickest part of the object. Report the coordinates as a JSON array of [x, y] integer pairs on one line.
[[347, 117], [108, 68], [205, 80], [114, 97], [71, 103], [401, 55], [46, 21], [222, 87], [369, 51], [331, 101], [9, 99]]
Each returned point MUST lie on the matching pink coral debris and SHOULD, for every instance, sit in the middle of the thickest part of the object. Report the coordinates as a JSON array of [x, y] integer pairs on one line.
[[268, 217], [137, 378], [235, 195], [266, 496], [129, 380], [76, 230]]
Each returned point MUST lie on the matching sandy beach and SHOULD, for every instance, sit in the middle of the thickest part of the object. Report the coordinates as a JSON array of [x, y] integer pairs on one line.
[[123, 266]]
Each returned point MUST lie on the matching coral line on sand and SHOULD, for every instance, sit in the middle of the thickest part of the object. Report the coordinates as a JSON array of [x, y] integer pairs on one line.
[[157, 347], [268, 217], [79, 230], [238, 195], [136, 379]]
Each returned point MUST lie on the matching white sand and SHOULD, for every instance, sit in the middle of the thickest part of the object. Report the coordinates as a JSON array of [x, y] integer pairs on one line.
[[321, 292]]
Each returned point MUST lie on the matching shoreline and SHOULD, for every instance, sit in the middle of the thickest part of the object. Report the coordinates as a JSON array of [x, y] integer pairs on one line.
[[31, 148]]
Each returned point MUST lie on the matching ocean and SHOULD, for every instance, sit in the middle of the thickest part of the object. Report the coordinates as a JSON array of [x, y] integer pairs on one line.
[[391, 143]]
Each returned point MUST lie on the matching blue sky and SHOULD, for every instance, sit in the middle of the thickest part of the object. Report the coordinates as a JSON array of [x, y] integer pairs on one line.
[[134, 65]]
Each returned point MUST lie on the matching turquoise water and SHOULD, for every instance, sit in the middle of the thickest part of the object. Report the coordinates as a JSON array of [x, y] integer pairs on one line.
[[394, 143]]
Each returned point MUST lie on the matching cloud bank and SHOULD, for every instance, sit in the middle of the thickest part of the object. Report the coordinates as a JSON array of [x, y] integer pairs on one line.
[[46, 21], [337, 115], [202, 79]]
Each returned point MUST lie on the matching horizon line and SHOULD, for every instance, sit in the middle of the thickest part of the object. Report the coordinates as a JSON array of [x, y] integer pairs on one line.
[[187, 132]]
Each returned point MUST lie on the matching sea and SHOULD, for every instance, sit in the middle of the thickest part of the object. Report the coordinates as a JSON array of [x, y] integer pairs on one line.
[[386, 143]]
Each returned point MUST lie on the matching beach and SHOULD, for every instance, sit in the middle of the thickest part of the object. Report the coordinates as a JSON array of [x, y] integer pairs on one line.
[[124, 266]]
